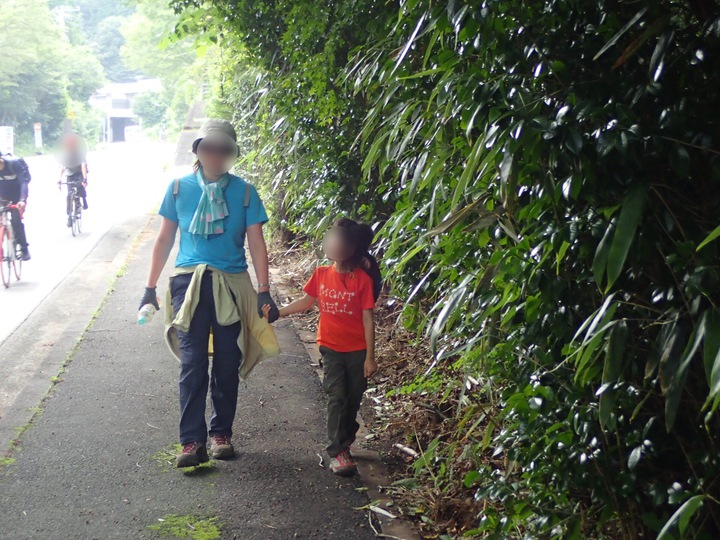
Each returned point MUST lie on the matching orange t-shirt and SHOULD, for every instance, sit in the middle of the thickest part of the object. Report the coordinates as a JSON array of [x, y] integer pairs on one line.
[[342, 299]]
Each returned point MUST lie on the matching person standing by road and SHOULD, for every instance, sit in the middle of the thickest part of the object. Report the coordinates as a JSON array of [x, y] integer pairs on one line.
[[210, 290], [346, 293], [14, 180]]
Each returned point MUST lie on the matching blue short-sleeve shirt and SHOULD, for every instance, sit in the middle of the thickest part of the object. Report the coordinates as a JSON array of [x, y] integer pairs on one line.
[[224, 251]]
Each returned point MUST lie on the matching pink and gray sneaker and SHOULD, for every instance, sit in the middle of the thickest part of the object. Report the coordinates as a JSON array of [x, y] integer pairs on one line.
[[343, 464]]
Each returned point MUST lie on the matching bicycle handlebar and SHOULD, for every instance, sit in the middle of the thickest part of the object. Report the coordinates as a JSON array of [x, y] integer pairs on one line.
[[72, 183]]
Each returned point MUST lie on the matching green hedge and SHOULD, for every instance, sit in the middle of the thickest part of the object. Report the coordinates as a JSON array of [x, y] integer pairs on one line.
[[545, 178]]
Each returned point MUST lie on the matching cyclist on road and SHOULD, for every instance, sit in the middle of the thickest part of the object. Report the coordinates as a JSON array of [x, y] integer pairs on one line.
[[74, 170], [14, 180]]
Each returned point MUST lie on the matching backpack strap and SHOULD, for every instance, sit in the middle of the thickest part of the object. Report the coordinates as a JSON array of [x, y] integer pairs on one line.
[[248, 191]]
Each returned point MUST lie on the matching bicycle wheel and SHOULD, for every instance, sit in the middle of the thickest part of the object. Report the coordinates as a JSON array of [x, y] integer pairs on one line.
[[78, 215], [5, 257], [17, 263], [73, 217]]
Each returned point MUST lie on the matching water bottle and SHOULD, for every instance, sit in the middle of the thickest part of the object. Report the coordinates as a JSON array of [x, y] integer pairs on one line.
[[146, 314]]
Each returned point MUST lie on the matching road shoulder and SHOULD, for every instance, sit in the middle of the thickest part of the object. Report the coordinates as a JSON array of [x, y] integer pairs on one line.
[[33, 356]]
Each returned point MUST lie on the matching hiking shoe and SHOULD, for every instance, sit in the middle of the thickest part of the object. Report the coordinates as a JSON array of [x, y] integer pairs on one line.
[[222, 448], [343, 464], [69, 223], [85, 206], [193, 454], [25, 254]]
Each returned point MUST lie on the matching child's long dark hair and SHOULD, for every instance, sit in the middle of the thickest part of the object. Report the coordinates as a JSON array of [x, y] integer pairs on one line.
[[361, 236]]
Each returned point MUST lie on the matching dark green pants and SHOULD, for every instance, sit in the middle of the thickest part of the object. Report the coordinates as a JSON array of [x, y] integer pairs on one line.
[[344, 383]]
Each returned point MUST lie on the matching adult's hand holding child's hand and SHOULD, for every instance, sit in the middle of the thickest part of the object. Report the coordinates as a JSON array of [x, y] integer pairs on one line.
[[272, 313]]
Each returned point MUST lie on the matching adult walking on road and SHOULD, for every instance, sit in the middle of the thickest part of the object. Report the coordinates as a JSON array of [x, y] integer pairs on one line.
[[210, 290]]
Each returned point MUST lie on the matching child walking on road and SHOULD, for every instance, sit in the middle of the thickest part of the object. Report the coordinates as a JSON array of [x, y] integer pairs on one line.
[[346, 295]]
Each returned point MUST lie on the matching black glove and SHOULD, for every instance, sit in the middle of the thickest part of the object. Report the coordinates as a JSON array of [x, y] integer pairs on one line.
[[265, 298], [149, 297]]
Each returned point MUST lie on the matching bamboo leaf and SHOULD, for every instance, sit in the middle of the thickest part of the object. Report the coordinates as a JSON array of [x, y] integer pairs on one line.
[[672, 400], [681, 518], [612, 369], [635, 456], [410, 255], [658, 56], [421, 74], [714, 382], [709, 238], [448, 310], [410, 41], [711, 346], [661, 347], [630, 216], [635, 45], [592, 322], [560, 255], [615, 352], [670, 357], [620, 33], [456, 217], [599, 265]]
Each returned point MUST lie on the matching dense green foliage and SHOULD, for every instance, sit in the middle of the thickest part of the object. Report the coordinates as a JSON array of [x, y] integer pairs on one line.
[[151, 47], [150, 107], [42, 70], [543, 176], [97, 23], [57, 53], [108, 44]]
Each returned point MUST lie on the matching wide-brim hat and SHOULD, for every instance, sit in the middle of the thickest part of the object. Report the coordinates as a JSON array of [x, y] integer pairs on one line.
[[218, 132]]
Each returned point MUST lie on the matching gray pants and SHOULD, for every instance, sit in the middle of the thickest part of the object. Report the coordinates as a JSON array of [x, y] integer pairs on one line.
[[344, 383]]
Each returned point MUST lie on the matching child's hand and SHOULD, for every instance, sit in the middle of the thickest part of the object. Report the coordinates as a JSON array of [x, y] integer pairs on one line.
[[266, 311], [371, 367]]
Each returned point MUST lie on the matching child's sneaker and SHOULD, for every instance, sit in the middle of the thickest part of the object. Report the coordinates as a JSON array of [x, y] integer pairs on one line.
[[193, 454], [222, 448], [342, 464]]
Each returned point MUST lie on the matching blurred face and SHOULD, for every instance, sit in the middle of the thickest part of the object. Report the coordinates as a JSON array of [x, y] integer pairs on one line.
[[70, 143], [216, 159], [336, 247]]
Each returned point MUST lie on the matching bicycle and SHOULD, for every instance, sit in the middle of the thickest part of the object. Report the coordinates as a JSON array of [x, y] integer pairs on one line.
[[74, 206], [10, 252]]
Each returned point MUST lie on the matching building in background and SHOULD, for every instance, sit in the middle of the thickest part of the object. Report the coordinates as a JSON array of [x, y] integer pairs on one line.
[[116, 101]]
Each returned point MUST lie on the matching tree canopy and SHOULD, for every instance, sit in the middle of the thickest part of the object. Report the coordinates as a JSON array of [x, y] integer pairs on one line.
[[41, 68]]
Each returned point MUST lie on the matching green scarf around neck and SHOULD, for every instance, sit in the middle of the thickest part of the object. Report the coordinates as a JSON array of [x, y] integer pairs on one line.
[[212, 209]]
